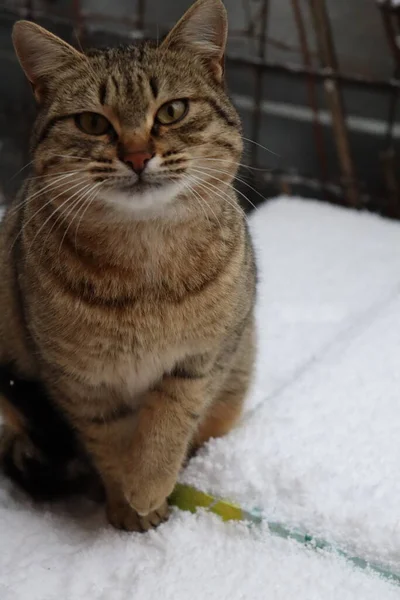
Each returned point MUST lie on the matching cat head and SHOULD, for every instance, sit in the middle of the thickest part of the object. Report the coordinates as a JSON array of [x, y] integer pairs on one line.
[[142, 127]]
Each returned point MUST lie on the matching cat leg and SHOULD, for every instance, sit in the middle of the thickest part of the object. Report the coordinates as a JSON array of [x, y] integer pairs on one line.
[[225, 411], [139, 455], [221, 417]]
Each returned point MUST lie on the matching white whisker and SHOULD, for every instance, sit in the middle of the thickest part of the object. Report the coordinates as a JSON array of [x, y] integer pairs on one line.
[[260, 146], [24, 225], [88, 202], [231, 162], [210, 188], [201, 200], [20, 171], [206, 169], [69, 198], [224, 183], [28, 199], [67, 211], [81, 199]]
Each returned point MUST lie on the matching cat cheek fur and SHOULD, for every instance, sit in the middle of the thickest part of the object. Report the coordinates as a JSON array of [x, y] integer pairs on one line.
[[139, 330]]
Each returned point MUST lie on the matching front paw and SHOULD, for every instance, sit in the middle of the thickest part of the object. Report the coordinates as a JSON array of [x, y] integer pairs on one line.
[[148, 497], [122, 516]]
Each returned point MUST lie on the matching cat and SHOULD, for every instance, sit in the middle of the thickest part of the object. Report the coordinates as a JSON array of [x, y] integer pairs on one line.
[[128, 273]]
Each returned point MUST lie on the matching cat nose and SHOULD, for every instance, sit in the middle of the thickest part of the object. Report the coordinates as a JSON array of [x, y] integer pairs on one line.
[[137, 161]]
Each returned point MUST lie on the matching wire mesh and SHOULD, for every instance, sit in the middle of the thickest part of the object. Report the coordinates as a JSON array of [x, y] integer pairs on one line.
[[309, 58]]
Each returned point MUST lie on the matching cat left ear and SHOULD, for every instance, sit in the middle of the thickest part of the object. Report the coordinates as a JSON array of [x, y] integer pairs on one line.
[[203, 29], [41, 54]]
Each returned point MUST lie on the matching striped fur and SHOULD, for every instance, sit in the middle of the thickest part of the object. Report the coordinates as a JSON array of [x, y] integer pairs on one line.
[[128, 299]]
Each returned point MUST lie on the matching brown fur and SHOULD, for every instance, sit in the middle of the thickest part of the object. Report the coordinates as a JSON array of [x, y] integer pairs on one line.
[[138, 320]]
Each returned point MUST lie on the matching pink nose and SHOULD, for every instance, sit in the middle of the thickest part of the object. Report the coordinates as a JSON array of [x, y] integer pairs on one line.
[[137, 161]]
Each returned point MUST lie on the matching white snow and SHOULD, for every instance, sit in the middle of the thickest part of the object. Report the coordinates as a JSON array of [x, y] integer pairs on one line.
[[318, 448]]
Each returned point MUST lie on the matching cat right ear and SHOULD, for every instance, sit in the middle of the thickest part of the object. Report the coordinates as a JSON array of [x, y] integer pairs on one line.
[[203, 31], [41, 54]]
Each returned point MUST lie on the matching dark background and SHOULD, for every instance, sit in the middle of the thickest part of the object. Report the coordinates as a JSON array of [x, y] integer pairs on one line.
[[274, 102]]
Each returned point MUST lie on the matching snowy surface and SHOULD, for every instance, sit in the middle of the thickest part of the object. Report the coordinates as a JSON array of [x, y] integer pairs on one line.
[[318, 448], [325, 419]]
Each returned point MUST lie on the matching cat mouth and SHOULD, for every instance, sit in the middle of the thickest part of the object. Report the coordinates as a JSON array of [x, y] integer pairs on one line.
[[141, 186]]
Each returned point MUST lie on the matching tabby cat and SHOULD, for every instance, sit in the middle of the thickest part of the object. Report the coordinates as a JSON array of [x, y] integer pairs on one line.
[[128, 277]]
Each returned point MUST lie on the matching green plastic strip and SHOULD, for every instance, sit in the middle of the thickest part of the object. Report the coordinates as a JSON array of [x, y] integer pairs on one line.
[[189, 498]]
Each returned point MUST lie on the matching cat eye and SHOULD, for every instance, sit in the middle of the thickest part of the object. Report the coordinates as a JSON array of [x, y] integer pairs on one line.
[[93, 123], [172, 112]]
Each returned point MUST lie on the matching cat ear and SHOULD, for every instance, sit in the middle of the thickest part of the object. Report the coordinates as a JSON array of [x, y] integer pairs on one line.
[[41, 54], [203, 30]]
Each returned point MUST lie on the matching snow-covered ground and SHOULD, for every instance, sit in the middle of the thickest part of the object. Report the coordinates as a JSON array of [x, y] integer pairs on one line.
[[318, 448]]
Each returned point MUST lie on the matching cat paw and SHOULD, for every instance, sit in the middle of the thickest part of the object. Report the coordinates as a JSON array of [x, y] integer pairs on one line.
[[17, 448], [122, 516], [145, 499]]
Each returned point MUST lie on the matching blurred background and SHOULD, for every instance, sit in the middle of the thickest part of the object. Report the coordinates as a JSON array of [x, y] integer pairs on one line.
[[316, 83]]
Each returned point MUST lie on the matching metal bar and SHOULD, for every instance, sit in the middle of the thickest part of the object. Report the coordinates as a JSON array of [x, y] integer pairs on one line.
[[388, 162], [311, 91], [368, 201], [258, 89], [321, 74], [335, 100], [388, 26], [388, 155], [292, 70], [389, 7]]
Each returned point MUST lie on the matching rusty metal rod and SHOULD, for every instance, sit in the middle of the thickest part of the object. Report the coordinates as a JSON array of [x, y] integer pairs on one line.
[[389, 7], [258, 89], [391, 25], [321, 74], [388, 26], [311, 91], [335, 100], [292, 70]]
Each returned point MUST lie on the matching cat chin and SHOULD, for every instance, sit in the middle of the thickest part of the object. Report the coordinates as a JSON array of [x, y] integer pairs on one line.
[[150, 203]]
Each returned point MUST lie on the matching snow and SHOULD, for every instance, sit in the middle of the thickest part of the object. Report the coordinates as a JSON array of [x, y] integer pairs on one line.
[[318, 447]]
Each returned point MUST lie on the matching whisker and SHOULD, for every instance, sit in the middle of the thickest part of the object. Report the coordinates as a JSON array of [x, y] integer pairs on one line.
[[231, 162], [72, 156], [24, 225], [35, 177], [206, 169], [201, 199], [209, 187], [53, 212], [67, 212], [82, 198], [197, 196], [260, 146], [28, 199], [56, 222], [88, 204], [20, 171], [52, 188], [226, 184]]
